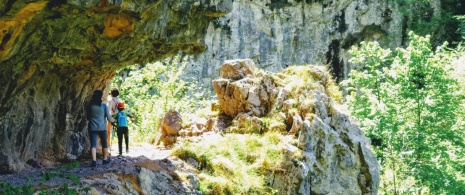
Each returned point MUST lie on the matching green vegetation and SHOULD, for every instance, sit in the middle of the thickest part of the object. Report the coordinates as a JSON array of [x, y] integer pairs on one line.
[[46, 176], [76, 188], [435, 18], [300, 80], [71, 165], [243, 160], [411, 106], [9, 189], [237, 164], [152, 90]]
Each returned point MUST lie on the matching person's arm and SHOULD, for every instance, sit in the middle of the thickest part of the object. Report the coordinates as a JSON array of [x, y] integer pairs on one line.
[[111, 106], [131, 116], [109, 117]]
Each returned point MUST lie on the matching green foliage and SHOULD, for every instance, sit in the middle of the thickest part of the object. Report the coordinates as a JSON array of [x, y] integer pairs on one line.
[[236, 163], [71, 165], [409, 105], [150, 91], [46, 176], [435, 18], [9, 189], [461, 29]]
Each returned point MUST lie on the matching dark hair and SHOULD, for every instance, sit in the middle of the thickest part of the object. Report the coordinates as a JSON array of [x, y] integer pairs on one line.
[[97, 97], [114, 92]]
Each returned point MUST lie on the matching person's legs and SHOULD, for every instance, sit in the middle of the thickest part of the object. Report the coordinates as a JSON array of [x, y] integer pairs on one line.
[[103, 139], [120, 140], [126, 139], [93, 142], [109, 128], [94, 154], [105, 154]]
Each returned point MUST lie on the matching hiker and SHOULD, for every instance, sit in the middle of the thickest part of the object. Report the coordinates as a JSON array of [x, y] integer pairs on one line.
[[97, 112], [112, 105], [122, 122]]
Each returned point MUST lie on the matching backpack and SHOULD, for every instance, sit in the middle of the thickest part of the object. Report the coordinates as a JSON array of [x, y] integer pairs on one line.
[[122, 119]]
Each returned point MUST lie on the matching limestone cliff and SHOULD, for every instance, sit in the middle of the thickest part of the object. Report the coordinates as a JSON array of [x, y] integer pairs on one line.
[[302, 101], [276, 34], [54, 54]]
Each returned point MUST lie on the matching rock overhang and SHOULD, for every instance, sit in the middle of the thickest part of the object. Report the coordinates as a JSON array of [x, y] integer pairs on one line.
[[54, 54]]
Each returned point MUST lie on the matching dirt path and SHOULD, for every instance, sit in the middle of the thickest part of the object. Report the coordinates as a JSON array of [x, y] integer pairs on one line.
[[68, 173]]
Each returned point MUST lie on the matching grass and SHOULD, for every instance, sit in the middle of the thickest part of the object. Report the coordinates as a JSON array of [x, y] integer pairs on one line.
[[300, 80], [238, 163], [253, 148]]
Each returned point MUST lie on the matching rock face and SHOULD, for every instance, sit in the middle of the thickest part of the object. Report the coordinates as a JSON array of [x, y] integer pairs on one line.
[[276, 34], [336, 155], [54, 54], [169, 127]]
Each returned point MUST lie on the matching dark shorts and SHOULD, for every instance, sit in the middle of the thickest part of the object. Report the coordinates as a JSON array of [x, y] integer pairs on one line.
[[94, 135]]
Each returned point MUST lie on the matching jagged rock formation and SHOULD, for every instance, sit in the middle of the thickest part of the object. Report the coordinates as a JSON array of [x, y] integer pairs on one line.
[[168, 128], [277, 34], [54, 54], [336, 155]]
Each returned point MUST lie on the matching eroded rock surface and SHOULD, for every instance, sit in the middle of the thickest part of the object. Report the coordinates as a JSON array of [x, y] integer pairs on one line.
[[168, 128], [281, 33], [54, 54], [336, 155]]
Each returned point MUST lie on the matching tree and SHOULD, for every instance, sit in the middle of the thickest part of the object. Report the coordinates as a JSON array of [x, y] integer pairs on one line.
[[408, 101], [155, 88]]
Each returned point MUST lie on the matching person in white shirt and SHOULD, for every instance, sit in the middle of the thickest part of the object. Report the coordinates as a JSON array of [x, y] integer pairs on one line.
[[113, 108]]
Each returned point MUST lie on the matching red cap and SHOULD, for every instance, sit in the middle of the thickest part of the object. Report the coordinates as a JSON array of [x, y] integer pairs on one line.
[[121, 105]]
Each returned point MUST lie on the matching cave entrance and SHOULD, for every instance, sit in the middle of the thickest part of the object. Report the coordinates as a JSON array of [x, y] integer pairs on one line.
[[150, 91]]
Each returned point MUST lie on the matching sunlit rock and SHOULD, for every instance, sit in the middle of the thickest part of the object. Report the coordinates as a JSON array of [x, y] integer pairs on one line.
[[331, 156]]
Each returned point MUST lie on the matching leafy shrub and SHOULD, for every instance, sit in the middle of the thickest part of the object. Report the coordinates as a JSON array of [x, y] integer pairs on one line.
[[151, 90], [411, 105]]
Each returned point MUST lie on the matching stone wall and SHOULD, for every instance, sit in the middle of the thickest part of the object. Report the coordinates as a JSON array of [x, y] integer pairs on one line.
[[287, 32]]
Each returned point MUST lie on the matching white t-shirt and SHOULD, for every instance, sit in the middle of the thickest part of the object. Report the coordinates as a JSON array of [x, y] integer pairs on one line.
[[113, 105]]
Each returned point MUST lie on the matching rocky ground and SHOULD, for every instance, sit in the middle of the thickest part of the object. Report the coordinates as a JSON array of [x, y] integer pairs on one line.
[[139, 152], [81, 174]]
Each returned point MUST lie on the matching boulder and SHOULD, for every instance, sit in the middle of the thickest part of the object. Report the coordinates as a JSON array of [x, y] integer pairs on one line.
[[169, 128], [237, 69]]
